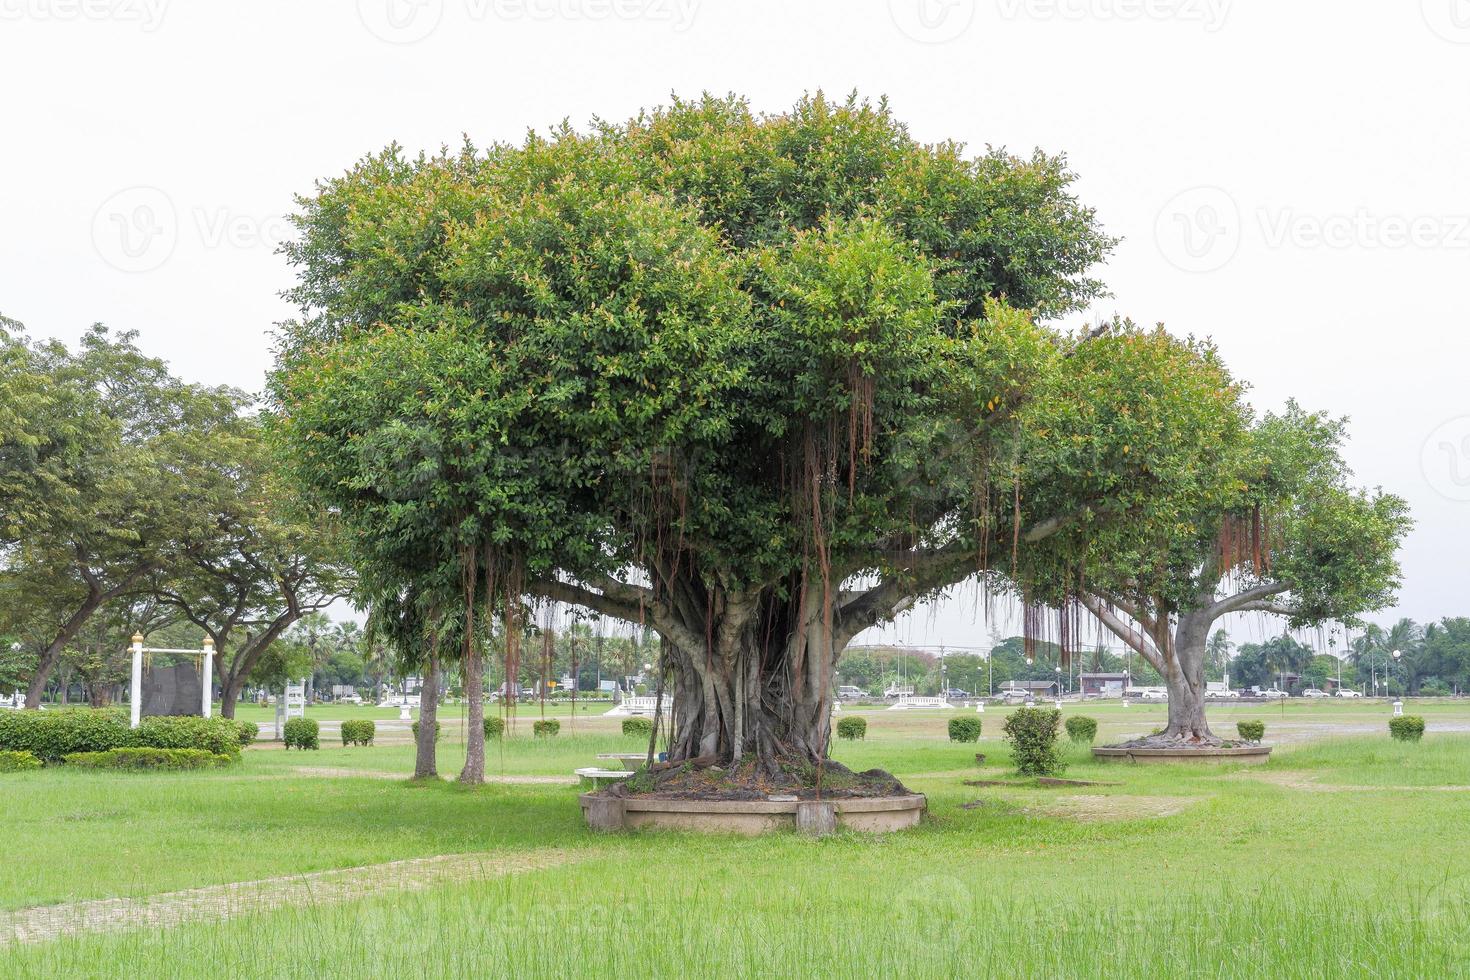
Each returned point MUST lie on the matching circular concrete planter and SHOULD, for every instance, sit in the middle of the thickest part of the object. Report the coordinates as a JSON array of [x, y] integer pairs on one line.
[[874, 815], [1238, 755]]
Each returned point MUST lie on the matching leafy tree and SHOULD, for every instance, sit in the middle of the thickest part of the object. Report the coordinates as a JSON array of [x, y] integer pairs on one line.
[[747, 380], [1289, 537]]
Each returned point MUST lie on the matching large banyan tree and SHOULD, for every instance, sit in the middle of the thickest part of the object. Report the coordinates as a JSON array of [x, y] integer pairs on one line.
[[757, 382]]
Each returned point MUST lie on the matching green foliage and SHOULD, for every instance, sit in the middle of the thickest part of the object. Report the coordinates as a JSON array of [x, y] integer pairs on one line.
[[965, 729], [494, 726], [1406, 728], [359, 731], [1081, 728], [302, 733], [11, 761], [1032, 733], [546, 728], [438, 730], [638, 727], [852, 728], [249, 732], [49, 735], [149, 758], [1251, 731], [221, 736]]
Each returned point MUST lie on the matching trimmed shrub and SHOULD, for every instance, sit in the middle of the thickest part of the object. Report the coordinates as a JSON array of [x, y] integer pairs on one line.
[[1033, 733], [852, 728], [359, 731], [438, 730], [964, 729], [219, 736], [1251, 731], [49, 735], [546, 728], [150, 758], [249, 732], [1081, 728], [302, 733], [494, 726], [638, 727], [1406, 728], [18, 761]]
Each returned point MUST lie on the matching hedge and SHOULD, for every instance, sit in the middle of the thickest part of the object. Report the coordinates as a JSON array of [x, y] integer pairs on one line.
[[1406, 728], [51, 735], [494, 726], [851, 728], [249, 732], [1033, 733], [964, 729], [637, 727], [1081, 728], [18, 762], [149, 758], [546, 728], [303, 733], [1251, 731], [359, 732], [438, 730]]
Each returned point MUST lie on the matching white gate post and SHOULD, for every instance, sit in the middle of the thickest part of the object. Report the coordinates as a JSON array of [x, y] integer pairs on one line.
[[136, 696], [208, 705]]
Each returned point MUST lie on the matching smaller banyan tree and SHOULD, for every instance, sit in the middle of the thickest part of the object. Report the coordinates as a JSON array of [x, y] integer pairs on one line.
[[756, 382]]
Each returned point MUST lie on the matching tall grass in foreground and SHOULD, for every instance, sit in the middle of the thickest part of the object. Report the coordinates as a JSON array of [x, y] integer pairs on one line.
[[580, 923]]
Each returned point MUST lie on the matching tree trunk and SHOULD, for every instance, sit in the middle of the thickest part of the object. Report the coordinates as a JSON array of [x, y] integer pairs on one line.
[[229, 696], [1184, 674], [425, 764], [474, 691], [52, 653]]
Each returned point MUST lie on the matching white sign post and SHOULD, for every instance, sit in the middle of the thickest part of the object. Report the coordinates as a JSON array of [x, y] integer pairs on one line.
[[136, 691]]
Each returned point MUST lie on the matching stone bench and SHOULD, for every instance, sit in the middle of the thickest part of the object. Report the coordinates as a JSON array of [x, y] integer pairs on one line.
[[598, 778]]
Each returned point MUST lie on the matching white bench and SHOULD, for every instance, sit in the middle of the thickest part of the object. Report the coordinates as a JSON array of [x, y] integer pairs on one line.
[[600, 777], [640, 705], [909, 701]]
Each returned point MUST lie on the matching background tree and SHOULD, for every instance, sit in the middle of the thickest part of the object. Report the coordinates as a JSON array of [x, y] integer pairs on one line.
[[1291, 537], [746, 380]]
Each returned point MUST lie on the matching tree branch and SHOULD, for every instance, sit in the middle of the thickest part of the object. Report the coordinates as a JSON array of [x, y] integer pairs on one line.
[[1135, 639]]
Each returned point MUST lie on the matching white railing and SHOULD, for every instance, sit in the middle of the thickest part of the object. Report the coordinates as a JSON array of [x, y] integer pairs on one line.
[[641, 705], [909, 701]]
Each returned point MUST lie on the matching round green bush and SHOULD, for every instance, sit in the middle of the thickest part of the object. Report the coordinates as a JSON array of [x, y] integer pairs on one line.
[[1081, 728], [1251, 731], [852, 728], [438, 730], [1406, 728], [18, 761], [638, 727], [546, 728], [249, 732], [359, 731], [965, 729], [1033, 733], [302, 733], [494, 726]]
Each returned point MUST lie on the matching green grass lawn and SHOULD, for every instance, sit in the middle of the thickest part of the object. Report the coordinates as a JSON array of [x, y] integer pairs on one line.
[[1347, 855]]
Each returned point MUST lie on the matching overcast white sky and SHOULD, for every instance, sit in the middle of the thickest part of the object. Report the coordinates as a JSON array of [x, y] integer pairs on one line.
[[1288, 178]]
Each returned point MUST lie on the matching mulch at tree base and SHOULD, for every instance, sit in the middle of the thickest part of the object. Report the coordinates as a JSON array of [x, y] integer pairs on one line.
[[746, 782]]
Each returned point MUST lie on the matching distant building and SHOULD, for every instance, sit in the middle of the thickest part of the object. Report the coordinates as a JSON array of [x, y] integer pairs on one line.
[[1041, 689], [1103, 685]]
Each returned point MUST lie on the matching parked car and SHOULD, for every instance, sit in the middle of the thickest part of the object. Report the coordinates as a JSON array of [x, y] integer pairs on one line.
[[1312, 692], [848, 692], [1152, 694], [955, 694], [1222, 694], [1347, 692], [1012, 696], [1272, 693]]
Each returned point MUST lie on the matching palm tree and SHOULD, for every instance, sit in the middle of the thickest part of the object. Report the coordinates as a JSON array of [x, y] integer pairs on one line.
[[1217, 654]]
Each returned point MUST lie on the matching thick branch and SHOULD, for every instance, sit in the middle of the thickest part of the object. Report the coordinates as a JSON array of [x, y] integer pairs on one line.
[[1237, 602], [1135, 639]]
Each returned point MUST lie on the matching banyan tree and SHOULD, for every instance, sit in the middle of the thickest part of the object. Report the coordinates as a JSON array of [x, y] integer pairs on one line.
[[756, 382]]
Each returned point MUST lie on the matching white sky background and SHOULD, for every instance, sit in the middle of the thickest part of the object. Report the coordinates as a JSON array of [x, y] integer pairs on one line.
[[1288, 178]]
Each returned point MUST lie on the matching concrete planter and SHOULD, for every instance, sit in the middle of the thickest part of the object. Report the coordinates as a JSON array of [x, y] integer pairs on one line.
[[875, 815], [1236, 755]]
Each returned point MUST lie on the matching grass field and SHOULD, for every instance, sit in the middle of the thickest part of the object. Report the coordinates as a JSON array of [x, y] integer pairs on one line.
[[1347, 855]]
